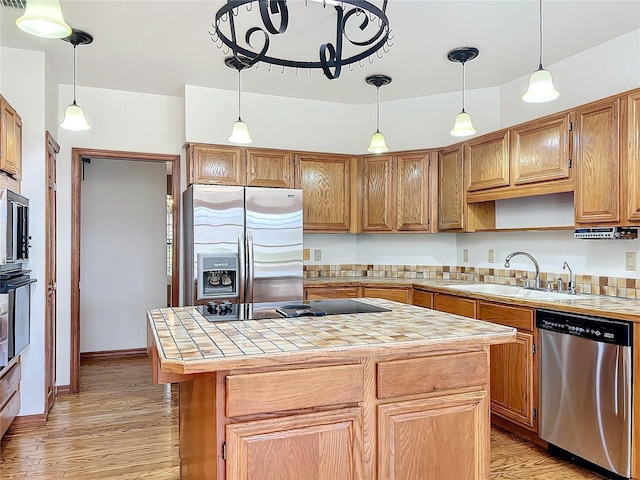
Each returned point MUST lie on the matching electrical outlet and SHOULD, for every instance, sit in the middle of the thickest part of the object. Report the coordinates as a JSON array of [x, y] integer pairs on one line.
[[306, 254], [317, 255], [631, 261], [492, 255], [465, 254]]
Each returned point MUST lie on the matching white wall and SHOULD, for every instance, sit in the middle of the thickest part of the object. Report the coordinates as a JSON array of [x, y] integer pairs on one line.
[[23, 85], [123, 252], [119, 121]]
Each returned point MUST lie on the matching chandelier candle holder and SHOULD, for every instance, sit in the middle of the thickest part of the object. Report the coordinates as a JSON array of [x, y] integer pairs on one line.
[[256, 30]]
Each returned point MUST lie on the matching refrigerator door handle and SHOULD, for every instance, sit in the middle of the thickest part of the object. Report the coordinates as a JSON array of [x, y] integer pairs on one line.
[[250, 267], [241, 268]]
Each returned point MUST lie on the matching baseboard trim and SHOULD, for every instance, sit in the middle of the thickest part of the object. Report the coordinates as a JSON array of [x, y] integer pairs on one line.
[[63, 389], [113, 354], [28, 421]]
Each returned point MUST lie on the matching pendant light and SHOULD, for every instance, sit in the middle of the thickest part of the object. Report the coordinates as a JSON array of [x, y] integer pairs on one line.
[[43, 18], [541, 87], [240, 131], [73, 115], [463, 126], [378, 144]]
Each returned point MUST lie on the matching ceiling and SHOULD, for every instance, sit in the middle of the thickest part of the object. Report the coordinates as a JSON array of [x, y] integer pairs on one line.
[[159, 46]]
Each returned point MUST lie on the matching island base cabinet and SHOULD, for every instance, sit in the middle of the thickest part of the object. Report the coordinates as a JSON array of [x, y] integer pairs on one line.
[[434, 439], [316, 446]]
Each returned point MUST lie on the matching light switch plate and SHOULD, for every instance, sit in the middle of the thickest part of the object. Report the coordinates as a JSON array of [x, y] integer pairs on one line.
[[492, 255], [317, 255], [465, 255], [306, 254], [631, 261]]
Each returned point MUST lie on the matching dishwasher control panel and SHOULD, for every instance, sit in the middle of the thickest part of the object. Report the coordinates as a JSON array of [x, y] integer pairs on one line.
[[593, 328]]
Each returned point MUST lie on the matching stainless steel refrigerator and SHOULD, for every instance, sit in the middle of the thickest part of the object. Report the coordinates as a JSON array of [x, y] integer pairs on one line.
[[242, 244]]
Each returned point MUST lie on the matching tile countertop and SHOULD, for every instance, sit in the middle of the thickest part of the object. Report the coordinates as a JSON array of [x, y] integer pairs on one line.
[[597, 305], [188, 343]]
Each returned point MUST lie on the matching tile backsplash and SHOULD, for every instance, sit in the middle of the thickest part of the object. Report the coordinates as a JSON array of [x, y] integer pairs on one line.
[[590, 284]]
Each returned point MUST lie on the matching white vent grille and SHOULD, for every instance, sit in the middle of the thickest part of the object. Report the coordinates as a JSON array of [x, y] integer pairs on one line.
[[20, 4]]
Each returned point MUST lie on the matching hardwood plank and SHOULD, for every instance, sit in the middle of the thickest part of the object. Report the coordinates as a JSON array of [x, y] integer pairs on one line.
[[122, 427]]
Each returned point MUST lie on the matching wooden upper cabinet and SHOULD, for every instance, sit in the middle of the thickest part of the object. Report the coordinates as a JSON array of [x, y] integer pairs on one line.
[[378, 206], [597, 196], [270, 168], [413, 192], [326, 184], [450, 189], [10, 140], [487, 161], [215, 164], [631, 155], [541, 150]]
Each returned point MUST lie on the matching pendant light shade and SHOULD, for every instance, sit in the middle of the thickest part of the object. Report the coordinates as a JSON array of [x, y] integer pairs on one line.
[[541, 87], [74, 116], [378, 144], [240, 131], [463, 126], [74, 119], [43, 18]]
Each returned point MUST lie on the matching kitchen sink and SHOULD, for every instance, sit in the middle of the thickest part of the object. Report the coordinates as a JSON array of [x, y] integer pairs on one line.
[[517, 292]]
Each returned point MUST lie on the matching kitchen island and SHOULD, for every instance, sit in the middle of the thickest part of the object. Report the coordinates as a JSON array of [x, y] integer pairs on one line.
[[397, 394]]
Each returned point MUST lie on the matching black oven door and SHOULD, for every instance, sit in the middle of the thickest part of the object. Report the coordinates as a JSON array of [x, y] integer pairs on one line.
[[15, 311]]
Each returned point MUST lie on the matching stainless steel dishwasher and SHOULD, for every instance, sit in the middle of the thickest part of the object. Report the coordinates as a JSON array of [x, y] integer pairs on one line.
[[585, 388]]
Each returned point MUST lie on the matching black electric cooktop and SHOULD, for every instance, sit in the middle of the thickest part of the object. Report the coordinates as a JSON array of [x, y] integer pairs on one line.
[[225, 311]]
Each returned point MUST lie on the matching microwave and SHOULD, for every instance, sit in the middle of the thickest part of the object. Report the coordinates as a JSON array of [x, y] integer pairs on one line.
[[14, 228]]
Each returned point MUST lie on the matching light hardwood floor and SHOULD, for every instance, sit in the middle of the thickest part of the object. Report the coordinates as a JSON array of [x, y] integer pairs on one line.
[[122, 427]]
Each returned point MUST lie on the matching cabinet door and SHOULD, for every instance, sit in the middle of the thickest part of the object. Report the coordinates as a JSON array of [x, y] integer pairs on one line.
[[377, 194], [11, 136], [512, 385], [541, 150], [18, 148], [330, 292], [326, 182], [456, 305], [437, 438], [321, 446], [270, 168], [215, 164], [422, 298], [412, 192], [450, 189], [388, 293], [487, 162], [598, 163], [631, 179]]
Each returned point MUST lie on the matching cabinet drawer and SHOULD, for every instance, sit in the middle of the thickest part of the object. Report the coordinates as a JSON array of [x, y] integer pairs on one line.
[[423, 299], [398, 378], [516, 317], [455, 305], [253, 393], [9, 412], [331, 292], [394, 294], [9, 383]]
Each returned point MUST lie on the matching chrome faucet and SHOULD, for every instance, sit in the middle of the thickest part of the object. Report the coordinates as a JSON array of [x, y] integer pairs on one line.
[[528, 255], [571, 286]]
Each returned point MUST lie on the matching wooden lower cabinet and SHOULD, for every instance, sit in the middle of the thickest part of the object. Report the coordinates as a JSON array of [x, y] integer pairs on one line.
[[322, 446], [402, 295], [9, 394], [422, 298], [453, 304], [434, 439], [321, 293]]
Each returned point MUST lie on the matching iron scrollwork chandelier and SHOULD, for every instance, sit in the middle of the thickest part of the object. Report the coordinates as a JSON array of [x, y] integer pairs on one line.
[[254, 45]]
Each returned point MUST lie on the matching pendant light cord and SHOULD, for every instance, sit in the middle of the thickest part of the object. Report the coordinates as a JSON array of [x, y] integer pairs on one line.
[[378, 115], [239, 117], [74, 74], [540, 66], [463, 84]]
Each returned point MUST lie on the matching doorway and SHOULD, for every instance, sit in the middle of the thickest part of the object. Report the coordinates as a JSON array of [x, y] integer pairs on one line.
[[79, 157]]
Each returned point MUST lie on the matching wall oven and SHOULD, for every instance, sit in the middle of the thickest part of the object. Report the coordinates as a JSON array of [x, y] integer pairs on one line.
[[14, 228], [15, 313]]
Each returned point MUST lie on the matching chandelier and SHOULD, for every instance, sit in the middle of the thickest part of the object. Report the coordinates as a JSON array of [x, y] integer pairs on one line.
[[361, 31]]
